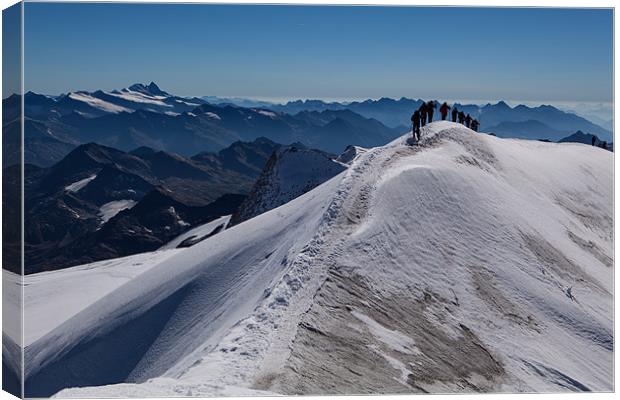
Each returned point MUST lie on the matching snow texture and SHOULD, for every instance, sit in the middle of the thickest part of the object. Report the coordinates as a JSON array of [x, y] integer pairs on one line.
[[465, 263]]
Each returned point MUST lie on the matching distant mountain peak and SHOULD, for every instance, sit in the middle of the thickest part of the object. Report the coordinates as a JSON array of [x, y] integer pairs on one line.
[[91, 147], [151, 89], [143, 151], [581, 137]]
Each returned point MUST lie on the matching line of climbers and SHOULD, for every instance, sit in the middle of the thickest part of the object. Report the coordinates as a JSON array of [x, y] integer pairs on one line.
[[425, 113]]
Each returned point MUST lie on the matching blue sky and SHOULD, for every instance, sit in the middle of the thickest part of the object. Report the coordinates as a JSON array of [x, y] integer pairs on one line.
[[281, 52], [11, 55]]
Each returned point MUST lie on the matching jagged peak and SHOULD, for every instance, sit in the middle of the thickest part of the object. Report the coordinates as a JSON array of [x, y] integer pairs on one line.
[[150, 89]]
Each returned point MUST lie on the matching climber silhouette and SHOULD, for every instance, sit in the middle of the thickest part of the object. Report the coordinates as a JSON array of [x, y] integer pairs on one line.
[[444, 110], [423, 113], [430, 109], [468, 120], [415, 122]]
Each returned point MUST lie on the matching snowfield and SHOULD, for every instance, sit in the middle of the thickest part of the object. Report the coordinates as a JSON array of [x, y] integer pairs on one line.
[[98, 103], [138, 97], [468, 263]]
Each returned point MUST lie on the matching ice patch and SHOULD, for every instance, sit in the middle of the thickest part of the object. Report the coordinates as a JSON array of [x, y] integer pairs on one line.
[[109, 210], [212, 115], [266, 113], [79, 185]]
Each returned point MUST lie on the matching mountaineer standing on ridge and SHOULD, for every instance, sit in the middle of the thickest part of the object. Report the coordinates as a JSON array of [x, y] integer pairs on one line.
[[444, 110], [423, 111], [455, 113], [430, 109], [468, 120], [461, 117], [415, 122], [474, 125]]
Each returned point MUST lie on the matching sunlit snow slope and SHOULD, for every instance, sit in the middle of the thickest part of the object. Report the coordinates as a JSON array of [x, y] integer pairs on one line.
[[467, 263]]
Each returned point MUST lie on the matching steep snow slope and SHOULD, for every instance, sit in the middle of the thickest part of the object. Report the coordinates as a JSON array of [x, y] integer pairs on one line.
[[53, 297], [468, 263]]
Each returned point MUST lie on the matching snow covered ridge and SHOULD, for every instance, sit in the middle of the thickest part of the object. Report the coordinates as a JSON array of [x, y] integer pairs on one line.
[[467, 263]]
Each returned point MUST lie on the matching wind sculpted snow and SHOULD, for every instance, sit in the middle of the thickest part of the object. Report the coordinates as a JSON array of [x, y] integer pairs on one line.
[[467, 263]]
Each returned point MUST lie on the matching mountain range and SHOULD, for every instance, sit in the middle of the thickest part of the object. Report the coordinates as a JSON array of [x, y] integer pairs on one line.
[[145, 115], [99, 202], [542, 122]]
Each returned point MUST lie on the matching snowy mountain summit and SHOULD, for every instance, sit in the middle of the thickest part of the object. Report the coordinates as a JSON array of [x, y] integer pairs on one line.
[[466, 263]]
